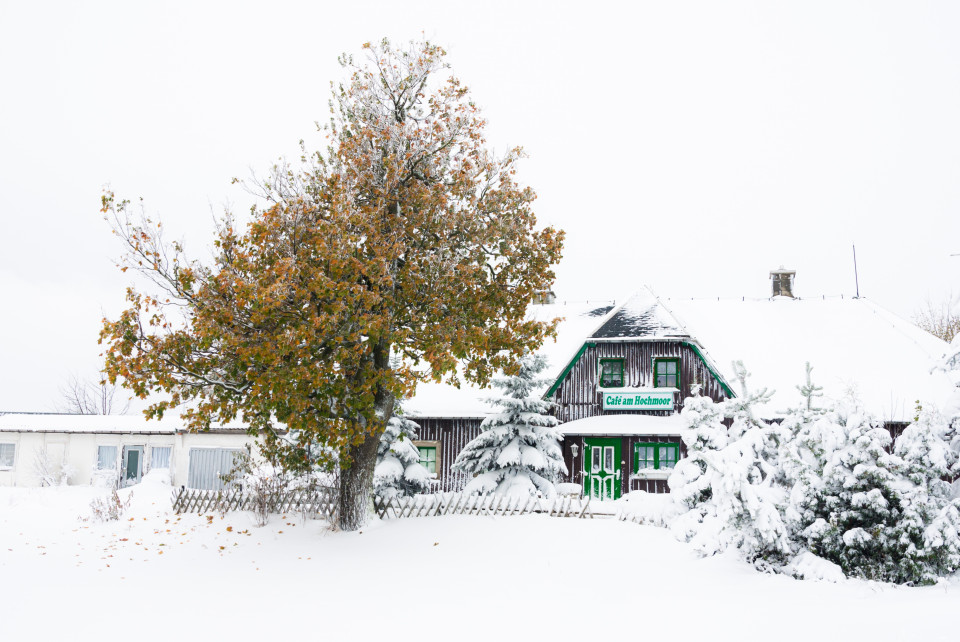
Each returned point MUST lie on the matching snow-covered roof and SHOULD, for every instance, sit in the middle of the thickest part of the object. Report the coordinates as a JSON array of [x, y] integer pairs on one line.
[[101, 424], [579, 321], [642, 316], [852, 344], [624, 425]]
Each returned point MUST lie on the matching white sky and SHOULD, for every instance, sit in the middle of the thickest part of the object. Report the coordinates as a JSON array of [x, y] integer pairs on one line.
[[690, 146]]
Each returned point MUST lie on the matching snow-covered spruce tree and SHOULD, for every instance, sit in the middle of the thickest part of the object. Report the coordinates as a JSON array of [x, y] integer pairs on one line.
[[398, 472], [857, 519], [951, 409], [811, 436], [749, 501], [518, 451], [735, 501], [690, 482], [930, 521]]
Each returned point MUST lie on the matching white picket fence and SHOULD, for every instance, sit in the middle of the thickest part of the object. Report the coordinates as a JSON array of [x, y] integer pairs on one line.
[[492, 505]]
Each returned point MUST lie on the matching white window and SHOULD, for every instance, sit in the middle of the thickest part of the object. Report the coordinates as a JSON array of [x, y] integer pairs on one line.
[[7, 451], [160, 457], [106, 457]]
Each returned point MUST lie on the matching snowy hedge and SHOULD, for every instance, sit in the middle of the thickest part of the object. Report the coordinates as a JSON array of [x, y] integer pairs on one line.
[[825, 481]]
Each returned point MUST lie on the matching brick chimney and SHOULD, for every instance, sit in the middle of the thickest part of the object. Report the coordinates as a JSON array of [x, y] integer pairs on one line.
[[782, 281]]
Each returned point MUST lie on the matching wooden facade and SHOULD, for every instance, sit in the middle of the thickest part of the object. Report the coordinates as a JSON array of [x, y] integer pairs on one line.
[[633, 481], [579, 396], [453, 434]]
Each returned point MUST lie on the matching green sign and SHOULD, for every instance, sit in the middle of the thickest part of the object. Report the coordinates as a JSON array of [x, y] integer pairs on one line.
[[638, 400]]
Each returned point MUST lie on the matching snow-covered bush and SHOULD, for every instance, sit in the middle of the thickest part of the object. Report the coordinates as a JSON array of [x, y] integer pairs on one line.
[[931, 520], [267, 481], [826, 482], [518, 451], [398, 472], [109, 508], [730, 489], [50, 473], [877, 514], [105, 478], [704, 435]]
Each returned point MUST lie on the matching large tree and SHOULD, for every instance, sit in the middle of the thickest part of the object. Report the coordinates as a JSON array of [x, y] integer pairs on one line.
[[405, 251]]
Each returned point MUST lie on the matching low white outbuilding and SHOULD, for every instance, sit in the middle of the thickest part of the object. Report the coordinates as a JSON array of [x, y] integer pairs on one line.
[[112, 450]]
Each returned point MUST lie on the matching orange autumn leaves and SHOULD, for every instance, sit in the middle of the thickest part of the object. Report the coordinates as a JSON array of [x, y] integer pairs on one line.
[[405, 250]]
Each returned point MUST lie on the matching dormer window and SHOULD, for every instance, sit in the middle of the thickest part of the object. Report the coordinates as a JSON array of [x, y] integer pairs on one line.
[[666, 373], [611, 373]]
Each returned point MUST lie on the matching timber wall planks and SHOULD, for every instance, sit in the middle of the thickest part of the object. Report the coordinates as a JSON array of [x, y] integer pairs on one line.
[[453, 435], [628, 481], [580, 397]]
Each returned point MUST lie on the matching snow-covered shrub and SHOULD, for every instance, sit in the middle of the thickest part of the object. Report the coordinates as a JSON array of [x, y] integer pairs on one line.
[[518, 451], [703, 432], [109, 508], [690, 482], [826, 483], [866, 514], [811, 436], [105, 478], [931, 519], [266, 482], [730, 489], [50, 473], [398, 472]]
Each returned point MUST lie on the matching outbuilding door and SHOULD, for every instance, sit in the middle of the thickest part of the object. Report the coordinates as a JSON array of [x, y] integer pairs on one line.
[[132, 465], [601, 468]]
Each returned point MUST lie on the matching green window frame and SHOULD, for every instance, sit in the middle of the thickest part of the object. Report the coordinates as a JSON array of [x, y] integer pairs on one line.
[[611, 373], [655, 456], [428, 458], [666, 372]]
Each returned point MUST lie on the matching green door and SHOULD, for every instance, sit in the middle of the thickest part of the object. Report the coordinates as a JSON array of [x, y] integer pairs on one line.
[[601, 468], [132, 462]]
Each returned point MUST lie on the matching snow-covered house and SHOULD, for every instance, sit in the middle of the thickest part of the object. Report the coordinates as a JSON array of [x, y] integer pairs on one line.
[[112, 450], [617, 373], [620, 374]]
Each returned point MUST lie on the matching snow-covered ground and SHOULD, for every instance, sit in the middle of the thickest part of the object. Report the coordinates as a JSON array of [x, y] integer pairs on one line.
[[158, 576]]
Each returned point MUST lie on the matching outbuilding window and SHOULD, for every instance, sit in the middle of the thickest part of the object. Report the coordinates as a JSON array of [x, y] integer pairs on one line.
[[7, 452], [611, 373], [666, 373], [106, 457], [654, 456], [160, 457]]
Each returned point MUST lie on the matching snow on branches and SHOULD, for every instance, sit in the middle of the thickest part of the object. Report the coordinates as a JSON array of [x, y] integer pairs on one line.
[[518, 451], [398, 472], [826, 481], [406, 251], [727, 492]]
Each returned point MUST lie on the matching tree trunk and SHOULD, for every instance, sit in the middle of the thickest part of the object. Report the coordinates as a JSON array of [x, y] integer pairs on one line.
[[356, 481], [355, 485]]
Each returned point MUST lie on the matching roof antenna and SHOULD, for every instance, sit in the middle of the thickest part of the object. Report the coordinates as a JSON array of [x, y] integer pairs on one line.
[[856, 279]]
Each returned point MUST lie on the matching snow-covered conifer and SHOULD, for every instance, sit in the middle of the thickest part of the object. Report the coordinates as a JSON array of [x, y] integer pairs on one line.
[[811, 436], [732, 494], [748, 498], [518, 451], [854, 520], [703, 435], [930, 521], [398, 471]]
